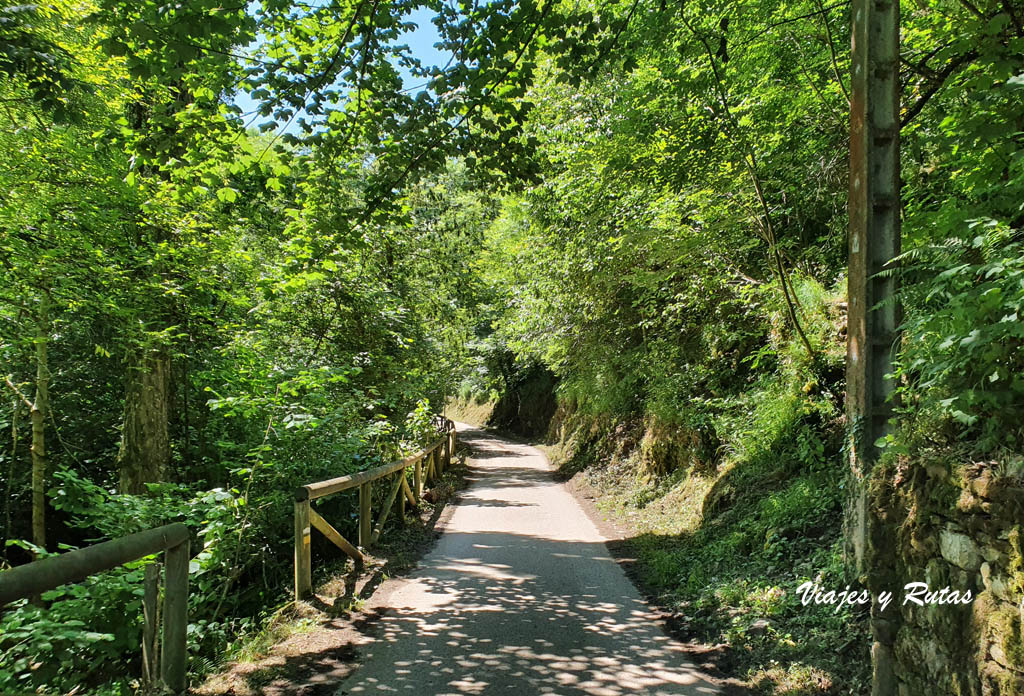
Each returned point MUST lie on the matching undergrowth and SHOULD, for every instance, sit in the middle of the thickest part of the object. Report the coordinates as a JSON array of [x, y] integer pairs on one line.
[[265, 653], [727, 550], [725, 543]]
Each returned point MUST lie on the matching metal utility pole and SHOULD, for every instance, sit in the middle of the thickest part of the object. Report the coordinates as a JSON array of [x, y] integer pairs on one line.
[[872, 331]]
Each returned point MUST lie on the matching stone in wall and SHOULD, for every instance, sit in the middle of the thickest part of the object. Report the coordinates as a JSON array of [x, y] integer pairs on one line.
[[958, 549], [962, 530]]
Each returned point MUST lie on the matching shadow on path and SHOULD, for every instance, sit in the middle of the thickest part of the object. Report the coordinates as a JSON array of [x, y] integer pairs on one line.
[[518, 596], [474, 623], [521, 596]]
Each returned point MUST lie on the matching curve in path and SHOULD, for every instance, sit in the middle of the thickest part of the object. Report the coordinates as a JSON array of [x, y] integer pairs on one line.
[[519, 596]]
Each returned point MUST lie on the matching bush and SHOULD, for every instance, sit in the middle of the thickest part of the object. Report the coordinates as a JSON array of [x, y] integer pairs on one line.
[[963, 353], [81, 636]]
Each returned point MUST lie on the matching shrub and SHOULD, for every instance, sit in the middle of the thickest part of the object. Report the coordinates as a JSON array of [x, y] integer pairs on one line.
[[963, 354]]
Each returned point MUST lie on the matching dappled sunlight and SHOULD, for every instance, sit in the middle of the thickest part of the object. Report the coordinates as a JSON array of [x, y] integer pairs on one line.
[[526, 600]]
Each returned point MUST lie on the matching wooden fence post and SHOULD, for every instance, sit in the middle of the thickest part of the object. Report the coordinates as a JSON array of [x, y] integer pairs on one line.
[[150, 592], [417, 479], [428, 465], [401, 494], [174, 655], [365, 522], [73, 566], [385, 510], [303, 560]]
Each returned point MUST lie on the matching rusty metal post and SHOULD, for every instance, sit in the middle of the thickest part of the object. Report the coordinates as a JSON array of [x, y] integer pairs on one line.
[[874, 242], [874, 315]]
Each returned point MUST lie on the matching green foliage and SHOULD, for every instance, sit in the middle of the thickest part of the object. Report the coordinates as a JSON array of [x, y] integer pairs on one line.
[[725, 549], [419, 429], [81, 635], [963, 356], [645, 202], [155, 221], [29, 53]]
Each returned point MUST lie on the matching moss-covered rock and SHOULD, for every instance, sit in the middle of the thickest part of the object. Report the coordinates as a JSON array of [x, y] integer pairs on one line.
[[666, 447], [957, 525]]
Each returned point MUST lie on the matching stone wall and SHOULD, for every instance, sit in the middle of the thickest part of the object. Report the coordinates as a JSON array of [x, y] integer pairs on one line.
[[962, 528]]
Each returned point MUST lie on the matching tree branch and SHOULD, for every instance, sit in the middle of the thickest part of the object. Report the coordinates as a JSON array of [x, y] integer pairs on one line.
[[937, 82], [750, 163], [397, 181], [17, 391], [832, 50]]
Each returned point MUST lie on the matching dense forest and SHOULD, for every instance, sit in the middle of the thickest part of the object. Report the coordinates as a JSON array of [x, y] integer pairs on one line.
[[246, 246]]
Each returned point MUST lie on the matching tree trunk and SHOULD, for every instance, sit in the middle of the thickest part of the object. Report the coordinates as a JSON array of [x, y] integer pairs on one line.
[[145, 444], [38, 418]]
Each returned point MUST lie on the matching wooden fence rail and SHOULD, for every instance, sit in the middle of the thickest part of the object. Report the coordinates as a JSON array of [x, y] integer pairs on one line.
[[46, 574], [427, 465]]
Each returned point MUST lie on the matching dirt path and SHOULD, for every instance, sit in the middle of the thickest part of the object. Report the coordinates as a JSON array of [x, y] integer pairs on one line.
[[519, 596]]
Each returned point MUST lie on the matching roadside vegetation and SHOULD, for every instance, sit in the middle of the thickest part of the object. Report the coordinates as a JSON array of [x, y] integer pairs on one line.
[[669, 308], [619, 227]]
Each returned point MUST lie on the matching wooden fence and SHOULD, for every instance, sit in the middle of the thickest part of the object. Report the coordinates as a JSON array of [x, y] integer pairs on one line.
[[46, 574], [426, 465], [39, 576]]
